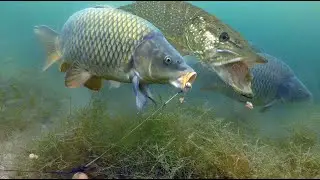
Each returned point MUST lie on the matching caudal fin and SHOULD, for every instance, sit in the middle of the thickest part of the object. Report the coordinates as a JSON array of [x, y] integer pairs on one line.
[[49, 38]]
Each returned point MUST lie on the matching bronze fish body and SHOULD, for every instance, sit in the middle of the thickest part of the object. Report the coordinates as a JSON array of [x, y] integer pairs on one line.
[[107, 43]]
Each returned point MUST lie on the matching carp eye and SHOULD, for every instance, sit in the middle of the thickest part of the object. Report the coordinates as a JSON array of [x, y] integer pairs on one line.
[[224, 37], [167, 60]]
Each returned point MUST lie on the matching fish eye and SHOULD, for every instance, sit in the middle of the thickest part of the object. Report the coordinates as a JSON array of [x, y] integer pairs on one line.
[[224, 37], [167, 60]]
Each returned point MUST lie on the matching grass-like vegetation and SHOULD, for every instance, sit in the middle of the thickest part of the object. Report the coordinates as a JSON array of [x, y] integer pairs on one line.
[[178, 142], [27, 107]]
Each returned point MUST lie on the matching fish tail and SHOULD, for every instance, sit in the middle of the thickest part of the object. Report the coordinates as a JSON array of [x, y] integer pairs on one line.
[[49, 38]]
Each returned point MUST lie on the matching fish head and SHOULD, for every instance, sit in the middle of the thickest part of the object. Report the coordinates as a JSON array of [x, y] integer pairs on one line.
[[227, 53], [157, 61], [293, 90]]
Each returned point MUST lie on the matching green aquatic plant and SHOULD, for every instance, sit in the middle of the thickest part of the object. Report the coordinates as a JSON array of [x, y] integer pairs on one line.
[[178, 142], [27, 107], [181, 141]]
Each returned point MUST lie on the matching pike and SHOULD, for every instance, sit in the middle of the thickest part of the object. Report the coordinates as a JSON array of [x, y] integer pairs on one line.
[[193, 31]]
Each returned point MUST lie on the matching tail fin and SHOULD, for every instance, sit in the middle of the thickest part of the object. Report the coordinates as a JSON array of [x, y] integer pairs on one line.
[[49, 39]]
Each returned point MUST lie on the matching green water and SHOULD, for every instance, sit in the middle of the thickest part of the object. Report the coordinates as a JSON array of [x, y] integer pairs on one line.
[[287, 30]]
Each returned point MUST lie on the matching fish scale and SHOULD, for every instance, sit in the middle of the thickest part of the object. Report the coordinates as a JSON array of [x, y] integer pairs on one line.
[[268, 81], [193, 31], [104, 43], [91, 37]]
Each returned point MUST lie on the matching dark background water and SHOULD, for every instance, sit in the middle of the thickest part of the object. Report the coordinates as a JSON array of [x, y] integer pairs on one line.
[[287, 30]]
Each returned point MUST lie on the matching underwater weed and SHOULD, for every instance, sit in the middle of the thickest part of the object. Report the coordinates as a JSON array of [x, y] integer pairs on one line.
[[26, 108], [157, 149], [178, 142]]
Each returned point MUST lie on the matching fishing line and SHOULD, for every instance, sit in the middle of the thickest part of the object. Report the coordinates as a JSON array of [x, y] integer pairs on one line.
[[164, 104], [83, 168]]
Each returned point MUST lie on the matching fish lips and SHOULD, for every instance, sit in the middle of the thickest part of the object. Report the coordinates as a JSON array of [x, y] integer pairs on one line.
[[185, 81]]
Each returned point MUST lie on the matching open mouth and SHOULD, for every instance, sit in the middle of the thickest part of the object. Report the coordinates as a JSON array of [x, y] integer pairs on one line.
[[188, 79], [237, 75], [185, 81]]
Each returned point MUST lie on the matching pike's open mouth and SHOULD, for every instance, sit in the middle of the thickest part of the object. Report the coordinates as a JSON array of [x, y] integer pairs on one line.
[[185, 81], [238, 76]]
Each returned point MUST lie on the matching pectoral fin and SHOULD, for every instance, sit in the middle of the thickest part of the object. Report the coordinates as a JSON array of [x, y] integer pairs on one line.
[[146, 90], [142, 93], [141, 99]]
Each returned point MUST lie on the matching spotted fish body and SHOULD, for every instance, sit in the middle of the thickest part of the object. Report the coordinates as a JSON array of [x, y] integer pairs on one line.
[[194, 31], [107, 43]]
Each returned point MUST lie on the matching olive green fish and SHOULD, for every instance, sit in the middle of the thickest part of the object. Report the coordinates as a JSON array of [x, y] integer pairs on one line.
[[107, 43], [193, 31]]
